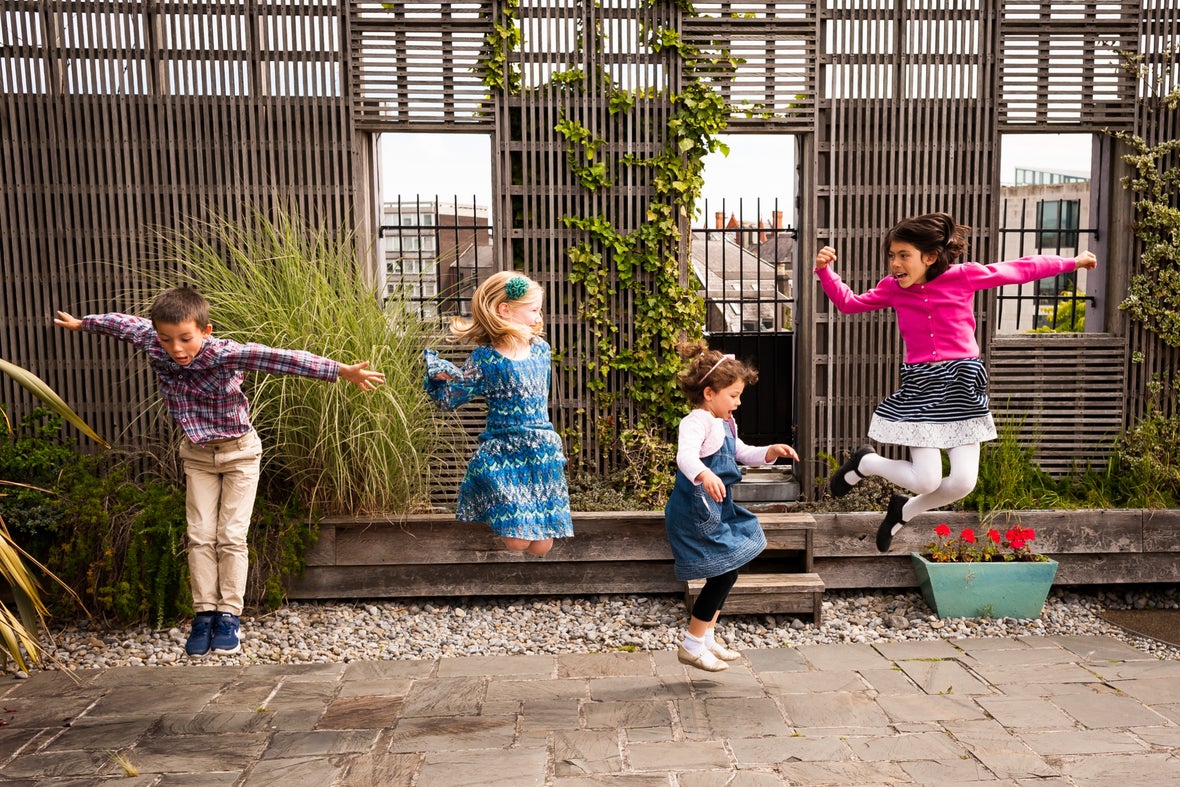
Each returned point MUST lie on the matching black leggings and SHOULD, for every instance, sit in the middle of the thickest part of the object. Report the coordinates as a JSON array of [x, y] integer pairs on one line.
[[713, 595]]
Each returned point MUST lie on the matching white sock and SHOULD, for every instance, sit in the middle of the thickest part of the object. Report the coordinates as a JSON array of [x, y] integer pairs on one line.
[[693, 645], [852, 477]]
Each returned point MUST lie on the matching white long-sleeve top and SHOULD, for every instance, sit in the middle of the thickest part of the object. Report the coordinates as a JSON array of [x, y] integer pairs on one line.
[[702, 434]]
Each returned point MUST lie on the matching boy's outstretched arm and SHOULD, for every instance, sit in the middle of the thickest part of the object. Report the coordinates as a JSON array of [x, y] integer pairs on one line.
[[68, 321], [361, 377]]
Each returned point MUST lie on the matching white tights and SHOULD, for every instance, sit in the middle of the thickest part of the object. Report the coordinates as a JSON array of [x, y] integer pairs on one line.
[[923, 476]]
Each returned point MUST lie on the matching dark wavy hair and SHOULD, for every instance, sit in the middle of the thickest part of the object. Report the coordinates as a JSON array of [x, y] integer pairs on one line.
[[931, 233]]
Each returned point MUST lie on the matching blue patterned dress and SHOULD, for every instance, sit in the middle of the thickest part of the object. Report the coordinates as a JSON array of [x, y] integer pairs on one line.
[[515, 481]]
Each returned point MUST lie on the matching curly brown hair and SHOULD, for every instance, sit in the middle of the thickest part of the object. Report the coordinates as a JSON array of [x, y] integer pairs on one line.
[[705, 368]]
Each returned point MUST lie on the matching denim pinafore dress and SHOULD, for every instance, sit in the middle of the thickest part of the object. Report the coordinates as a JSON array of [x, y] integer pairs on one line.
[[710, 538]]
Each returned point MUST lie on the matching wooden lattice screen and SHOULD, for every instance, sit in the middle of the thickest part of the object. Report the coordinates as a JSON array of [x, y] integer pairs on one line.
[[1159, 32], [911, 103], [906, 125], [121, 117]]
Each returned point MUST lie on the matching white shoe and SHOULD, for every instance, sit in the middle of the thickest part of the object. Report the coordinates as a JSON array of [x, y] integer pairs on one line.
[[717, 647], [706, 660]]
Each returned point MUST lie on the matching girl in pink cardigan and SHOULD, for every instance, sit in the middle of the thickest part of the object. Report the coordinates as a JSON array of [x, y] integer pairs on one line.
[[942, 403]]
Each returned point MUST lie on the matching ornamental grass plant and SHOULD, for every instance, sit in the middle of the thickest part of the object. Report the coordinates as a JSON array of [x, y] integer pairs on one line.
[[274, 280]]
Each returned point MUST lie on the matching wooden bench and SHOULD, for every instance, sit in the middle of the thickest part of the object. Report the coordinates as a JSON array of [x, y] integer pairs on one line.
[[611, 552]]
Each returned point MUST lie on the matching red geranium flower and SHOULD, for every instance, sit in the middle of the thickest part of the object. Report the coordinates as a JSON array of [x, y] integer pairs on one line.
[[966, 547]]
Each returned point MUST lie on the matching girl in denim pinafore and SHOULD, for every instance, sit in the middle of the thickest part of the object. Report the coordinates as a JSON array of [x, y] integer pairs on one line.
[[710, 536]]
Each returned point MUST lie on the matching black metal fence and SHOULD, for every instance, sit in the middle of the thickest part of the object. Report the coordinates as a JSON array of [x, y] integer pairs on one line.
[[434, 253], [1045, 226], [745, 266]]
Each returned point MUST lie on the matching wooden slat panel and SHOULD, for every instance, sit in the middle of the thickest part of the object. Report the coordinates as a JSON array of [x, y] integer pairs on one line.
[[1061, 64], [759, 594], [124, 118], [1063, 393], [774, 45], [532, 577], [1155, 123], [417, 64], [1105, 547], [600, 536]]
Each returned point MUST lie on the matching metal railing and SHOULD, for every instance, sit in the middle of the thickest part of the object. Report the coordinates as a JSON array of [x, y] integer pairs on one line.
[[1050, 305], [745, 269], [433, 254]]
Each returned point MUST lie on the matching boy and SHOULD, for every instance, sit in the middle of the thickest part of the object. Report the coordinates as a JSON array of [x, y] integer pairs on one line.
[[200, 378]]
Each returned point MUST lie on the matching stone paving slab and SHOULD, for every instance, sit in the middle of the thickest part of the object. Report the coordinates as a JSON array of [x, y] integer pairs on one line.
[[1051, 711]]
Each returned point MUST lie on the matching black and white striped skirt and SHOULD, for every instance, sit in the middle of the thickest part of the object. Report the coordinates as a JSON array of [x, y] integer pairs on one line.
[[939, 405]]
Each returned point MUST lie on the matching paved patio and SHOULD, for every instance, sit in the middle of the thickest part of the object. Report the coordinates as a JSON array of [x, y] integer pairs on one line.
[[1043, 711]]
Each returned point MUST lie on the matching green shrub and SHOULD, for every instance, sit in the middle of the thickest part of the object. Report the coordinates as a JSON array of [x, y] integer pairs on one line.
[[32, 454], [1146, 465], [1009, 477], [118, 538]]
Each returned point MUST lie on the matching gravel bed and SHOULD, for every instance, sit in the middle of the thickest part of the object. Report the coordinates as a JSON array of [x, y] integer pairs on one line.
[[302, 633]]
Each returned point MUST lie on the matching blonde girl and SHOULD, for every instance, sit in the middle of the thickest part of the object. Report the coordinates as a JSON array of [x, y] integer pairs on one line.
[[515, 481]]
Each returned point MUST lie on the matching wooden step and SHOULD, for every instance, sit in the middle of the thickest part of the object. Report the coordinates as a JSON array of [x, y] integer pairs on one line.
[[768, 594], [794, 531]]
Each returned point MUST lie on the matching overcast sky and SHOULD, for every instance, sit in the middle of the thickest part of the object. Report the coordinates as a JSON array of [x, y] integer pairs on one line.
[[757, 168]]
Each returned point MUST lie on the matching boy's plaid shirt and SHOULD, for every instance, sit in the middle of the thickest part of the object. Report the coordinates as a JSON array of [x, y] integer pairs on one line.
[[205, 397]]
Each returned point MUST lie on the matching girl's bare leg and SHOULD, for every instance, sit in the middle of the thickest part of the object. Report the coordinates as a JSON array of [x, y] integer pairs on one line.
[[540, 548], [516, 544]]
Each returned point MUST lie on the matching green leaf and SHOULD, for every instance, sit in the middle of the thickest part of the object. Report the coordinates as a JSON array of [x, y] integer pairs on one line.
[[36, 386]]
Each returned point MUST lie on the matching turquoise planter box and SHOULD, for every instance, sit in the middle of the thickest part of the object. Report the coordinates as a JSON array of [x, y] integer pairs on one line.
[[985, 590]]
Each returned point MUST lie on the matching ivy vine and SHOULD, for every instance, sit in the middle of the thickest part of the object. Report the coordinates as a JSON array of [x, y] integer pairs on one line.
[[644, 265], [1153, 295], [641, 266]]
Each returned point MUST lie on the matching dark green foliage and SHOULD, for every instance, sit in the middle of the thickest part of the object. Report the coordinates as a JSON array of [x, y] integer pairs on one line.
[[118, 538], [32, 454], [871, 494], [280, 535], [1146, 470]]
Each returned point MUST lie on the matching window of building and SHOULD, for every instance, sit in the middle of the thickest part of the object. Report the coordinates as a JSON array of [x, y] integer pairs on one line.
[[1057, 225]]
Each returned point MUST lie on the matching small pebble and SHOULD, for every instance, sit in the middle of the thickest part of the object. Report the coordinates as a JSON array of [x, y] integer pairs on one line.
[[322, 632]]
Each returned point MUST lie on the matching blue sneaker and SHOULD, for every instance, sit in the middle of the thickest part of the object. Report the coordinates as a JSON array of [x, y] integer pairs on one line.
[[201, 637], [227, 637]]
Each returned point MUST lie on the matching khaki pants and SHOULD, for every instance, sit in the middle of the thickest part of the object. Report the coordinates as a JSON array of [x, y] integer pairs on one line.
[[222, 483]]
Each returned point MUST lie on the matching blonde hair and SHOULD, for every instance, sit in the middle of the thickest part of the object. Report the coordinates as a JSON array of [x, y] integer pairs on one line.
[[486, 326]]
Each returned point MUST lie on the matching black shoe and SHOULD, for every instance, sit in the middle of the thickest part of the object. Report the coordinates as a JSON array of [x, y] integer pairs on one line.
[[838, 484], [892, 522]]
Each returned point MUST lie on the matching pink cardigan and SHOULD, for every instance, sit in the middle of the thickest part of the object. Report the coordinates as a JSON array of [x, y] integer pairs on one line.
[[937, 318]]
